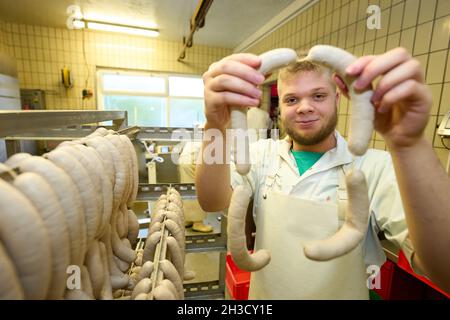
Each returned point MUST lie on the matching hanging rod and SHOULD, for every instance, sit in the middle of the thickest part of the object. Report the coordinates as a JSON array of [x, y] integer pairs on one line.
[[197, 21]]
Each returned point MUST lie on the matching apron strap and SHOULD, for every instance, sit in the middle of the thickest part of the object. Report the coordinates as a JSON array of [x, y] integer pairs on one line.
[[272, 174], [342, 197]]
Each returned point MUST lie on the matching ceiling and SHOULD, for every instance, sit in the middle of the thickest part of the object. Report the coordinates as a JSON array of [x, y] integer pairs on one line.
[[228, 22]]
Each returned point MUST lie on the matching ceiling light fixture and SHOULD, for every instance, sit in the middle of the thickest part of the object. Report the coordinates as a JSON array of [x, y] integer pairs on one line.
[[114, 27]]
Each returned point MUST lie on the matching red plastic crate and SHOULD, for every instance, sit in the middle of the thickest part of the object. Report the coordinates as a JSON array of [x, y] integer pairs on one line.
[[387, 273], [404, 264], [237, 280]]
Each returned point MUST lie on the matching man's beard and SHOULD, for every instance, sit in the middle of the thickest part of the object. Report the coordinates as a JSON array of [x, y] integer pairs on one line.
[[309, 140]]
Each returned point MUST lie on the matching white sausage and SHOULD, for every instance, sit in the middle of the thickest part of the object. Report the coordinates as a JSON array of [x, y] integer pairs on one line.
[[188, 275], [176, 254], [176, 199], [123, 265], [42, 196], [354, 228], [141, 296], [143, 286], [106, 186], [26, 241], [133, 227], [146, 270], [11, 289], [150, 246], [171, 273], [94, 266], [154, 227], [119, 173], [135, 173], [106, 293], [169, 285], [83, 183], [270, 61], [177, 232], [121, 167], [236, 233], [162, 292], [120, 225], [118, 279], [93, 171], [103, 149], [71, 205], [363, 113]]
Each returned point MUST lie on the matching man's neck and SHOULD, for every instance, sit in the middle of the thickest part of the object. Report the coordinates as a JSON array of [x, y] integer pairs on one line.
[[323, 146]]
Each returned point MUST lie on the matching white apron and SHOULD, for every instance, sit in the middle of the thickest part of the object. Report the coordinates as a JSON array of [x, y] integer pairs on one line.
[[284, 224]]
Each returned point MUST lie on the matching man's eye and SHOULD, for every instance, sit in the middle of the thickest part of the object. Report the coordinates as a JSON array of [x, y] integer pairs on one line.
[[319, 97], [290, 101]]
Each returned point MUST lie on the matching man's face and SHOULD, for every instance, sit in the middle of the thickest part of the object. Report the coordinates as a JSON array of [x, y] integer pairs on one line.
[[308, 107]]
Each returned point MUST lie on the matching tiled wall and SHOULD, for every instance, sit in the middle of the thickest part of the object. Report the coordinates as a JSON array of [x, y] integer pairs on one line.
[[421, 26], [41, 52], [2, 37]]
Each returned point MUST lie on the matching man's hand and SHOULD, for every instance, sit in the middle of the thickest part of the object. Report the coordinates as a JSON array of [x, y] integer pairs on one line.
[[341, 85], [401, 98], [231, 82]]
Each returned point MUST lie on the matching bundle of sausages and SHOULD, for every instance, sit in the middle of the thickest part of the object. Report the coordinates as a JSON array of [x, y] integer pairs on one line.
[[159, 273], [75, 202], [350, 235]]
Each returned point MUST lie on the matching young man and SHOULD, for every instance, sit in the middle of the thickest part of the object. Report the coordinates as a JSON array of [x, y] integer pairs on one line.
[[297, 183]]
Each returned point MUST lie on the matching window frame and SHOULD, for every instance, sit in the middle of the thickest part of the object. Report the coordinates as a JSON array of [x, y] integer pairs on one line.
[[101, 92]]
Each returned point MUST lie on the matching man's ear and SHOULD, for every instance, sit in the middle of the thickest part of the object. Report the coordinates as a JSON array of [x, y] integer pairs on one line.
[[341, 85]]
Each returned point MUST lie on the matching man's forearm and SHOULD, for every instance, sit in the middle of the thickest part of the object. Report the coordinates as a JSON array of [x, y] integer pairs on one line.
[[212, 179], [425, 191]]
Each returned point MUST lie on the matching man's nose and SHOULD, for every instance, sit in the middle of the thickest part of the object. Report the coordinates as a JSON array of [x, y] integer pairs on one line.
[[304, 107]]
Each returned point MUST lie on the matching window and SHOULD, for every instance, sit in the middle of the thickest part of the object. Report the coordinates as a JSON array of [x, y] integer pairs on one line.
[[152, 100]]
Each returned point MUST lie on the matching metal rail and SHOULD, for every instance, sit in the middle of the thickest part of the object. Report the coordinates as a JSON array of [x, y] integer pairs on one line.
[[28, 123], [80, 131], [151, 192]]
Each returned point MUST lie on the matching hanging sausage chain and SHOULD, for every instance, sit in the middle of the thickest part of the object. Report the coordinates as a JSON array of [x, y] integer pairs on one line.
[[353, 230], [75, 203]]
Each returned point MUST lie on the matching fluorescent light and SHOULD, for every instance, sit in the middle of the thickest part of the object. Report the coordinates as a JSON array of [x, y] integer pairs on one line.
[[94, 25], [78, 24], [112, 27], [123, 21], [123, 47]]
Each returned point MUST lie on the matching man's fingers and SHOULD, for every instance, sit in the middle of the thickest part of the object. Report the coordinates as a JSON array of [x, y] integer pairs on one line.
[[358, 66], [380, 65], [406, 90], [235, 100], [239, 69], [341, 85], [409, 70], [225, 82]]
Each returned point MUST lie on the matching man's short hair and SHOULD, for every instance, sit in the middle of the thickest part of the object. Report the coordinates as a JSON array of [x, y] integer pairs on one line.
[[300, 66]]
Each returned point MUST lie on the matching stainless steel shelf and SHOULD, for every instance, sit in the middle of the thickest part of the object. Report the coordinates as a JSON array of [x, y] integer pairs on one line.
[[169, 134], [80, 131], [204, 290], [151, 192], [68, 133], [32, 123]]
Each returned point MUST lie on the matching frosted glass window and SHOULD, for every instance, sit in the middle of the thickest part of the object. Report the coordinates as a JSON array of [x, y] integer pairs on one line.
[[186, 113], [185, 87], [153, 99], [131, 83], [142, 111]]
